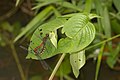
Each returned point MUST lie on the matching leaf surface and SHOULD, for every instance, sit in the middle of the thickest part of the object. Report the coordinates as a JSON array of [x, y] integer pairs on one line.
[[77, 61]]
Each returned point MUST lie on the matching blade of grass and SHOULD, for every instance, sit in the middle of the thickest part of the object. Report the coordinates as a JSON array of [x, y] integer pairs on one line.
[[88, 6], [73, 2], [17, 2], [99, 61], [106, 25], [39, 5], [117, 5], [102, 42], [56, 12], [99, 11], [14, 53], [69, 5], [34, 21]]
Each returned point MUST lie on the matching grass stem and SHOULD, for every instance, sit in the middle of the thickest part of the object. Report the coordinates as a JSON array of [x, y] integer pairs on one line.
[[57, 66]]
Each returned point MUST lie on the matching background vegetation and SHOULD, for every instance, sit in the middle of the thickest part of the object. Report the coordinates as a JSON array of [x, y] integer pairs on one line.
[[20, 18]]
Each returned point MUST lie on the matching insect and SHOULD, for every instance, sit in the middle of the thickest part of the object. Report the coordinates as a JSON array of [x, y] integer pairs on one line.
[[40, 49], [36, 49]]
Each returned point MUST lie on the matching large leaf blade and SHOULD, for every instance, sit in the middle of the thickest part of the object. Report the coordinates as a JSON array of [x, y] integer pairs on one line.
[[80, 33], [37, 39]]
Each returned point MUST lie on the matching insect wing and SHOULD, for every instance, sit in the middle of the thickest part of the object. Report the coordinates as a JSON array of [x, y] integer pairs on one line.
[[43, 63]]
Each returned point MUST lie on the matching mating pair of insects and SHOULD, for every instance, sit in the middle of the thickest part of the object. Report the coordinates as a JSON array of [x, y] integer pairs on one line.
[[41, 45], [39, 50]]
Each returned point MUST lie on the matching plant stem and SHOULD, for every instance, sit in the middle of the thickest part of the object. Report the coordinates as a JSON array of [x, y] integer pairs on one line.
[[99, 61], [109, 39], [57, 66], [17, 61]]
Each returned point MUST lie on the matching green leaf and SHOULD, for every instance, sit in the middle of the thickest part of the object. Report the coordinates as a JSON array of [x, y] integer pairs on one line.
[[37, 39], [69, 5], [77, 61], [80, 33], [91, 16], [117, 5]]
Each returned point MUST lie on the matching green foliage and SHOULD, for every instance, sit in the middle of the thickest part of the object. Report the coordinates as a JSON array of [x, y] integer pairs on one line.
[[79, 34], [17, 2], [79, 31], [99, 61], [113, 57], [106, 23], [115, 26], [117, 5], [7, 34], [74, 18], [77, 60], [6, 30], [37, 38], [36, 77], [57, 2], [35, 22]]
